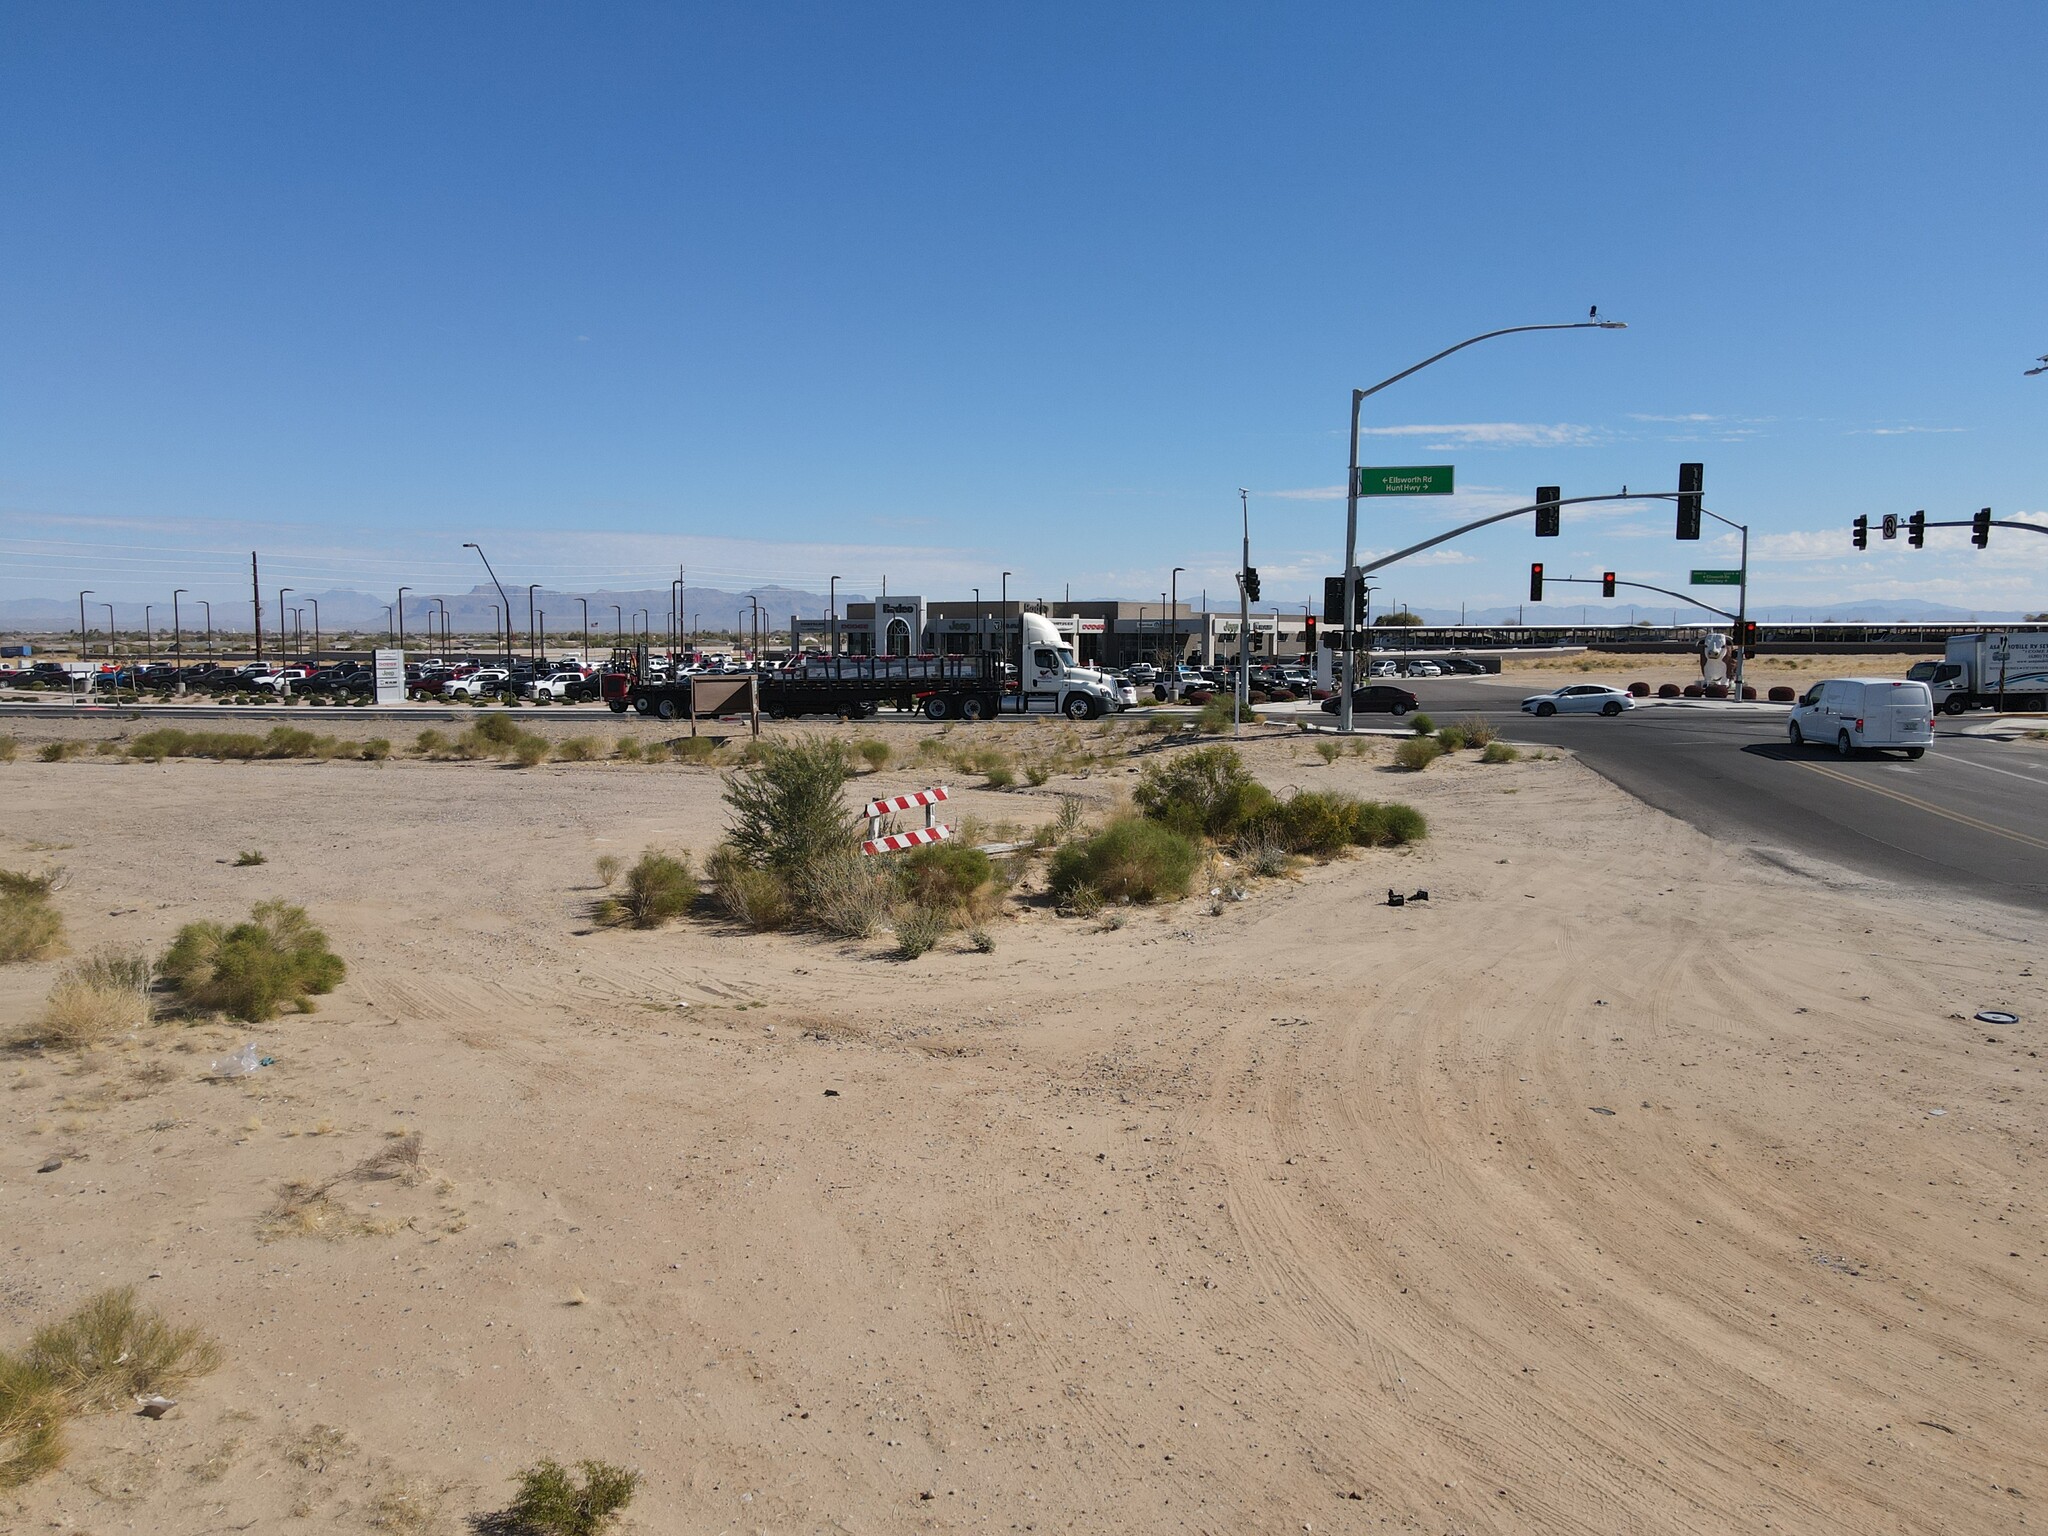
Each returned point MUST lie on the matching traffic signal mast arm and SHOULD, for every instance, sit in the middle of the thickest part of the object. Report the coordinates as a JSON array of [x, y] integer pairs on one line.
[[1500, 517], [1644, 586], [1957, 522]]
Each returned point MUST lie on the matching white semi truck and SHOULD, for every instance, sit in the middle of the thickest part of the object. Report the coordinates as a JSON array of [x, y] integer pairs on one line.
[[1999, 669]]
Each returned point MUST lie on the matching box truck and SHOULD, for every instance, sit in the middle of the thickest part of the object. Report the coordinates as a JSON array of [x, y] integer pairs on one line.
[[2000, 669]]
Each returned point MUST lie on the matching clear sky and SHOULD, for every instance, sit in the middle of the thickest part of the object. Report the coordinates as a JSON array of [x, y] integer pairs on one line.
[[779, 291]]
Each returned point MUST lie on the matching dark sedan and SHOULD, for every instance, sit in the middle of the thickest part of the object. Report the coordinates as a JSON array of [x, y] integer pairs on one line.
[[1379, 699]]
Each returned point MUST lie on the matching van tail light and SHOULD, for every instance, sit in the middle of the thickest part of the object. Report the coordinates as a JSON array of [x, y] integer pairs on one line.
[[1859, 725]]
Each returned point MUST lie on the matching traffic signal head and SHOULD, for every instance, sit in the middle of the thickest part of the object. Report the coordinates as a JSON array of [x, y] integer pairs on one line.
[[1980, 529], [1859, 533], [1916, 530], [1547, 511], [1607, 583], [1891, 525], [1749, 635], [1251, 582], [1692, 481], [1536, 582]]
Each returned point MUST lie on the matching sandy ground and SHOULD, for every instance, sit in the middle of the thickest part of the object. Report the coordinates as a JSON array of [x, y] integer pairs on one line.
[[1628, 1185]]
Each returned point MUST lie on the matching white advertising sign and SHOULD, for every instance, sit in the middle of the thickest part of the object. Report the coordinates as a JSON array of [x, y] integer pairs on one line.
[[390, 677]]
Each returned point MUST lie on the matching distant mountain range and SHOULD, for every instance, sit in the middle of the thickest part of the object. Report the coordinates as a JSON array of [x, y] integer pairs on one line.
[[1881, 611], [707, 609]]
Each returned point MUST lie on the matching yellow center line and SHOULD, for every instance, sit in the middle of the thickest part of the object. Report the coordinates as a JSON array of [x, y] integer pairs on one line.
[[1932, 810]]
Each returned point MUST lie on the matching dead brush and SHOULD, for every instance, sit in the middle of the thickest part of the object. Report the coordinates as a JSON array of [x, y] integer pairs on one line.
[[402, 1159], [112, 1351], [106, 992]]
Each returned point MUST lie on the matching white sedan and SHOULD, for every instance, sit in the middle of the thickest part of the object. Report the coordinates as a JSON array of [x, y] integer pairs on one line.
[[1580, 699]]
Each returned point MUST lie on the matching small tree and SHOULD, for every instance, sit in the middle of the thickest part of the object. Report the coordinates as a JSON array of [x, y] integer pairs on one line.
[[788, 816]]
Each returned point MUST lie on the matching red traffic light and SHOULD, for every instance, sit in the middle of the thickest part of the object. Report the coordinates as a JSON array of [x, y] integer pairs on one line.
[[1607, 583], [1536, 581]]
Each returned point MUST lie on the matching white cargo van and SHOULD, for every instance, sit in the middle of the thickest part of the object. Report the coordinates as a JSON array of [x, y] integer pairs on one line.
[[1862, 714]]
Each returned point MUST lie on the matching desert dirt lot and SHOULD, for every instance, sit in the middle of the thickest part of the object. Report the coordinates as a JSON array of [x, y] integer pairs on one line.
[[1630, 1184]]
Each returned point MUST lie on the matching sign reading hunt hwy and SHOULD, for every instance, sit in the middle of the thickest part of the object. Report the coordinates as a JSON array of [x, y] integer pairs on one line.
[[1716, 578], [1415, 480]]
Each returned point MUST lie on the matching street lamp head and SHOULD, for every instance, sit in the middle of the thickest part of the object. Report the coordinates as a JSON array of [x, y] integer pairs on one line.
[[2042, 369], [1612, 325]]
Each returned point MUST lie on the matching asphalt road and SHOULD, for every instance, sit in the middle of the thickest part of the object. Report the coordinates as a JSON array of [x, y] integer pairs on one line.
[[1972, 815]]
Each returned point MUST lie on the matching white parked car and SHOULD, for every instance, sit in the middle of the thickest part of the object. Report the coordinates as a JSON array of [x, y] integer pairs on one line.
[[1864, 714], [279, 681], [1424, 669], [557, 685], [1580, 699], [1385, 669], [491, 680]]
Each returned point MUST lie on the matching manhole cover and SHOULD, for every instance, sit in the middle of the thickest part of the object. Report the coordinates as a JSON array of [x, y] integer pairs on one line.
[[1994, 1016]]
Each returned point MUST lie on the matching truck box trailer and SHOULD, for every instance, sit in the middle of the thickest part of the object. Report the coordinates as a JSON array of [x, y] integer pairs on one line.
[[1997, 669]]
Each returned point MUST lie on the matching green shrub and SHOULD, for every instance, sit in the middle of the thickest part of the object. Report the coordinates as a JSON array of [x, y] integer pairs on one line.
[[550, 1503], [873, 752], [1216, 716], [917, 930], [1417, 753], [756, 897], [31, 928], [376, 750], [1421, 724], [787, 813], [1329, 751], [8, 747], [1204, 793], [1476, 731], [982, 941], [575, 749], [1389, 825], [1498, 752], [249, 857], [1132, 859], [695, 749], [496, 731], [1036, 774], [1451, 738], [32, 1414], [999, 775], [946, 877], [1315, 823], [628, 749], [658, 887], [530, 751], [276, 960], [430, 743], [56, 751], [1081, 900]]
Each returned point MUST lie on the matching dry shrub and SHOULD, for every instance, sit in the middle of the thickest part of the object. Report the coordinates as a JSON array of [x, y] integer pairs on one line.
[[875, 753], [1498, 752], [695, 749], [1452, 738], [1260, 852], [847, 896], [251, 971], [8, 747], [111, 1351], [658, 887], [982, 941], [628, 749], [608, 867], [917, 930], [430, 743], [32, 1413], [403, 1158], [530, 751], [30, 926], [1417, 753], [948, 877], [756, 897], [104, 993], [1475, 730], [576, 749]]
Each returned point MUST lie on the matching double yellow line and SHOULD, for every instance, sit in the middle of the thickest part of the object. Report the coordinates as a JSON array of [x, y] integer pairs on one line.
[[1933, 810]]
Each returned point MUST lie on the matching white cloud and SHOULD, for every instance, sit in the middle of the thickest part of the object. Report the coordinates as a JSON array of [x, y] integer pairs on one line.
[[1496, 434], [1898, 431]]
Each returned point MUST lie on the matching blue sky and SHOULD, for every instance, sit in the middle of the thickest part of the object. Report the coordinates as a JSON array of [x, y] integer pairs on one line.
[[778, 291]]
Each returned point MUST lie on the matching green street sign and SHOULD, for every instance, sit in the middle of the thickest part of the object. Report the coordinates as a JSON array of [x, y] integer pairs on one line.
[[1717, 578], [1422, 480]]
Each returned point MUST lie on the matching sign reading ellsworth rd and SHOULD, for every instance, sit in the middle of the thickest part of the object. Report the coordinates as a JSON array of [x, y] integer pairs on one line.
[[1717, 578], [1415, 480]]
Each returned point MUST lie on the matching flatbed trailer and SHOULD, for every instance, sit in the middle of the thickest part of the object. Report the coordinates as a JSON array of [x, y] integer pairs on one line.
[[852, 687]]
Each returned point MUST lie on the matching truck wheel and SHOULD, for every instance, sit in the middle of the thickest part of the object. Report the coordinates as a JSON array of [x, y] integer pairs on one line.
[[644, 705], [1845, 745], [666, 709], [2033, 703], [970, 707], [618, 706], [1079, 707], [935, 707], [1955, 704]]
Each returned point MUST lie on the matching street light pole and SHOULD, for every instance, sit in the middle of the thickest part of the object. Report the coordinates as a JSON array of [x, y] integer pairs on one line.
[[532, 653], [283, 620], [148, 635], [501, 595], [1173, 618], [110, 629], [209, 624], [387, 621], [618, 625], [1358, 399], [586, 629], [316, 631], [84, 650], [401, 616]]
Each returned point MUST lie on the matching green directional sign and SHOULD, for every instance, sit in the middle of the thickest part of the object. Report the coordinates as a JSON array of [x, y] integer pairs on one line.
[[1717, 578], [1414, 480]]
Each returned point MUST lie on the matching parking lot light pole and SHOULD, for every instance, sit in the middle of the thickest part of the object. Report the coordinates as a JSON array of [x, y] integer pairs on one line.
[[283, 630], [507, 631], [756, 631], [148, 635], [110, 629], [586, 629], [1358, 398], [84, 651], [498, 631], [400, 606], [177, 639], [832, 602], [618, 625], [531, 588], [316, 631], [1173, 618], [387, 622], [209, 624]]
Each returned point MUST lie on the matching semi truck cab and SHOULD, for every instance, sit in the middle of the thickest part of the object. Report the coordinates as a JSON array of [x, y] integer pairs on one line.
[[1051, 681]]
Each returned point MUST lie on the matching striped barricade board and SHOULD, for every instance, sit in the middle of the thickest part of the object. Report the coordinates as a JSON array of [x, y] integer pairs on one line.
[[896, 842]]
